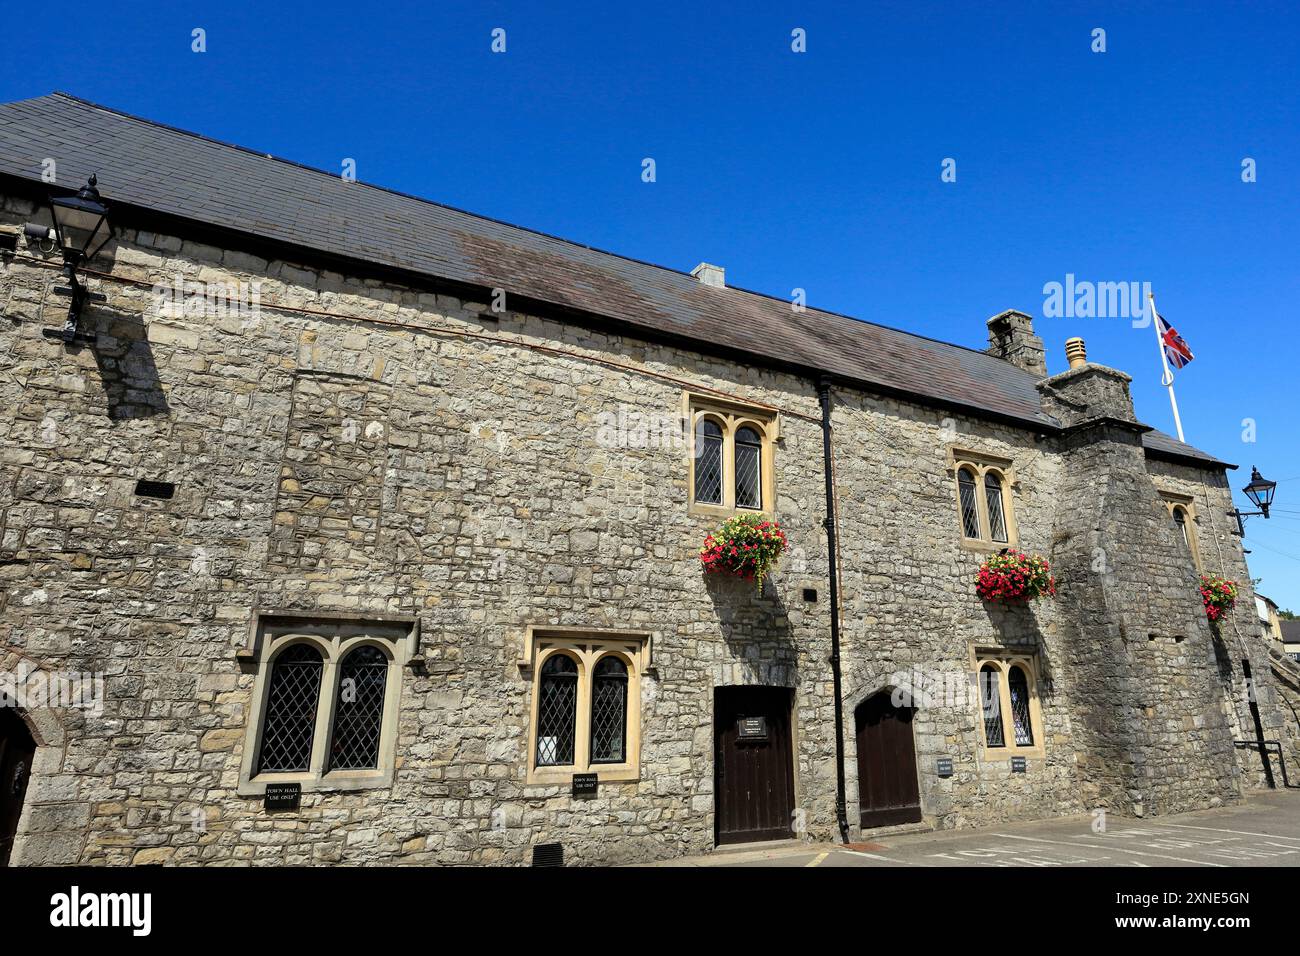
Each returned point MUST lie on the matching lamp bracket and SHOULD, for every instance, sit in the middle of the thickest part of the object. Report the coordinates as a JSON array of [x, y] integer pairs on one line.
[[70, 333], [1241, 517]]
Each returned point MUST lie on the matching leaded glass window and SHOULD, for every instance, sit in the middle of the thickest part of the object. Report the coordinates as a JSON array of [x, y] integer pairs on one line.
[[291, 704], [970, 519], [708, 462], [1018, 689], [997, 519], [609, 711], [991, 706], [749, 469], [557, 711], [1180, 519], [359, 709]]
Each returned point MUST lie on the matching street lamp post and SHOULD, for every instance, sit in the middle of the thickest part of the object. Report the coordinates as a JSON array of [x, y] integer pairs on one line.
[[1260, 492]]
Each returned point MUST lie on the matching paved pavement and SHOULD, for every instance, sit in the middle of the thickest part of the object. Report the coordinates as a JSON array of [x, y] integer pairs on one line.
[[1264, 831]]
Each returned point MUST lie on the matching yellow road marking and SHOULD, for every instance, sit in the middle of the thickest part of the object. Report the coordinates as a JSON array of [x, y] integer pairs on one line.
[[817, 859]]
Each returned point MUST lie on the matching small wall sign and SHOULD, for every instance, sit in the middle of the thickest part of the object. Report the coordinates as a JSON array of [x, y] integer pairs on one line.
[[282, 796], [1018, 765], [584, 785], [752, 728], [943, 766]]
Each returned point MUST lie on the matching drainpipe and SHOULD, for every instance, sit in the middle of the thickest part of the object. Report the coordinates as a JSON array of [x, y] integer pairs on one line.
[[824, 397]]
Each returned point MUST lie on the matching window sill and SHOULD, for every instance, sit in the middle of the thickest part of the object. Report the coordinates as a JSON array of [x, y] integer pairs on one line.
[[980, 544], [1004, 754], [337, 782], [563, 776], [722, 511]]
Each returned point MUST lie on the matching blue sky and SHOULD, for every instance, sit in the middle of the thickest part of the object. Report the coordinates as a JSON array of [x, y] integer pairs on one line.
[[817, 170]]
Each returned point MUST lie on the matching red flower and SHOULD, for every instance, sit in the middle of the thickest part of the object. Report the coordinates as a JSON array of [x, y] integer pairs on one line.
[[746, 545]]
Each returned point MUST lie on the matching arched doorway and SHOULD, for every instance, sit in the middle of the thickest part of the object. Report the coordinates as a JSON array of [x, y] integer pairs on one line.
[[16, 751], [888, 792]]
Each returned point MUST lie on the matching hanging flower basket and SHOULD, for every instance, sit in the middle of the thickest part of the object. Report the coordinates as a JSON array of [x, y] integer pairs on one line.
[[1218, 594], [1012, 576], [747, 546]]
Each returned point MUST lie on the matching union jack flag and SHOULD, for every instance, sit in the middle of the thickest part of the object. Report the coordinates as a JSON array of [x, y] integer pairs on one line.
[[1176, 350]]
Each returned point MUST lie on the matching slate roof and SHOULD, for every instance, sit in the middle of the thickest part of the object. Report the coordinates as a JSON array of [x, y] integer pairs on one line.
[[162, 169]]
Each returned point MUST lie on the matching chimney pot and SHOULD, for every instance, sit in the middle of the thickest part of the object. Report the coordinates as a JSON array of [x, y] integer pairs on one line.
[[710, 274], [1076, 352]]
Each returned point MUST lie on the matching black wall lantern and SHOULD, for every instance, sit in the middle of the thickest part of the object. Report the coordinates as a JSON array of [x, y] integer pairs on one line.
[[1260, 492], [81, 229]]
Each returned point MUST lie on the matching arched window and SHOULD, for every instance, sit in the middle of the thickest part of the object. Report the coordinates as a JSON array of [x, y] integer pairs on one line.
[[609, 711], [359, 710], [1018, 689], [557, 710], [291, 705], [985, 506], [997, 519], [991, 705], [708, 462], [586, 705], [1183, 513], [970, 518], [1180, 519], [749, 469], [733, 454]]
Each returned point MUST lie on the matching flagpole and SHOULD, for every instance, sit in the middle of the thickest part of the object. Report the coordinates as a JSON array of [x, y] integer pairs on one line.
[[1168, 380]]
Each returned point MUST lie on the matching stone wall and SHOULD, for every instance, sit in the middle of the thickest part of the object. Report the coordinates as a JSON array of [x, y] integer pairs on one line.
[[910, 605], [1152, 732], [1275, 679], [406, 456]]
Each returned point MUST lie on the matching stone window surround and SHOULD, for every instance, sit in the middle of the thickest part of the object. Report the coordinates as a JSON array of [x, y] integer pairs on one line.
[[731, 416], [586, 645], [1003, 658], [334, 635], [982, 463], [1173, 501]]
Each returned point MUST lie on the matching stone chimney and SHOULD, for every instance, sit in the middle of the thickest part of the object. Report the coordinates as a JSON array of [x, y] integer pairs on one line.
[[709, 274], [1011, 337], [1130, 628]]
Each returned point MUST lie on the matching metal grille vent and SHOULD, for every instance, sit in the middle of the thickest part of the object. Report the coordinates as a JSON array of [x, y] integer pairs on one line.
[[548, 854], [155, 489]]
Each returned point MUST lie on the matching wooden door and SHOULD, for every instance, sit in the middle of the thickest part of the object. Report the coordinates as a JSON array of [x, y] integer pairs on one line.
[[16, 751], [753, 764], [888, 792]]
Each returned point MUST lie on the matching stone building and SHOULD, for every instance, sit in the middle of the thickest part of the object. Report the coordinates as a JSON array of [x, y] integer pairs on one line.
[[402, 507]]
